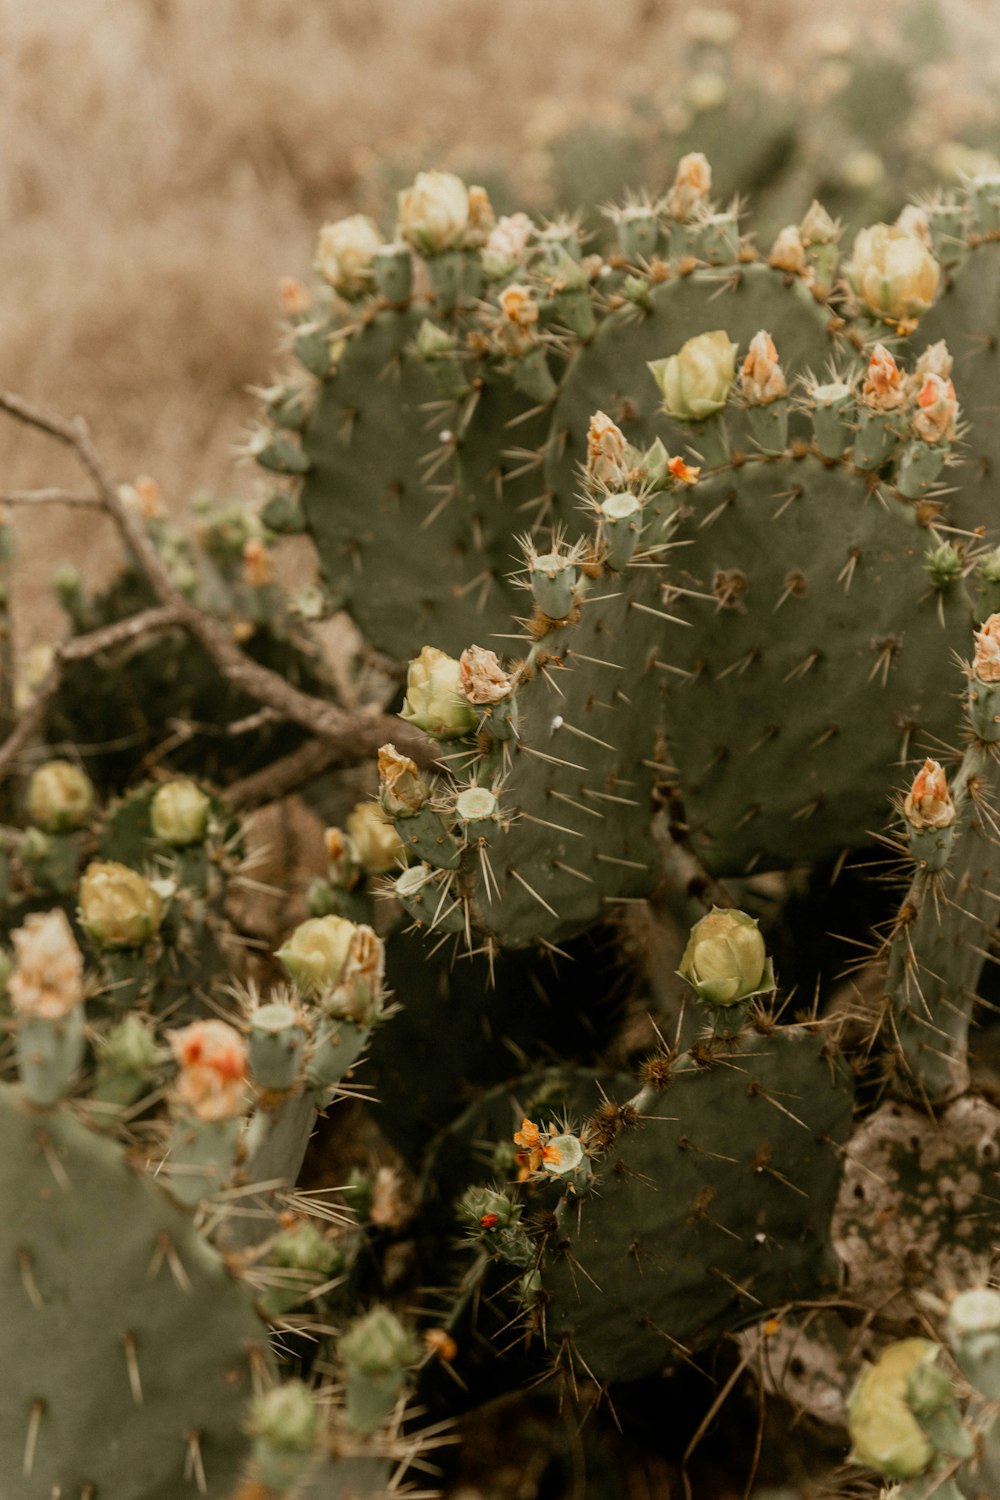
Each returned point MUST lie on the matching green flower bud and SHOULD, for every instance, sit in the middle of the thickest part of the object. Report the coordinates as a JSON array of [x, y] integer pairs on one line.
[[695, 382], [129, 1047], [434, 698], [725, 960], [118, 907], [484, 1209], [885, 1434], [60, 796], [179, 813], [378, 1344], [316, 953], [287, 1417]]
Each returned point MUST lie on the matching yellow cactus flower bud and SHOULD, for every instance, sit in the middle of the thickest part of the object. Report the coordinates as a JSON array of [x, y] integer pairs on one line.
[[696, 382], [60, 796], [885, 1434], [345, 251], [316, 953], [893, 272], [506, 244], [434, 212], [179, 812], [376, 842], [434, 699], [725, 960], [817, 228], [119, 908], [928, 803]]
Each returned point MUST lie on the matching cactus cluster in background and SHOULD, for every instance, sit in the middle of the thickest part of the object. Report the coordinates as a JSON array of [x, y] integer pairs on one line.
[[649, 965]]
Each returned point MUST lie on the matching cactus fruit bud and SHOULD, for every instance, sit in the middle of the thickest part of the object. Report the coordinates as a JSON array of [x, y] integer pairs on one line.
[[434, 212], [692, 186], [376, 843], [788, 253], [915, 220], [725, 960], [119, 908], [377, 1350], [935, 360], [419, 893], [893, 272], [607, 453], [482, 219], [986, 662], [345, 251], [928, 803], [761, 377], [695, 382], [179, 813], [943, 564], [402, 790], [478, 810], [830, 413], [434, 699], [285, 1423], [883, 389], [47, 981], [212, 1070], [885, 1434], [937, 409], [60, 796], [317, 951]]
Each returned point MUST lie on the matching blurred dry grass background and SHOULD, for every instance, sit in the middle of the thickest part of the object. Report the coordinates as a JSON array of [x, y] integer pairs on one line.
[[166, 161]]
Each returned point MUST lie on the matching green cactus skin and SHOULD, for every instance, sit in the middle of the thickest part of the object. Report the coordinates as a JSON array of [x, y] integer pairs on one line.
[[131, 1345], [703, 1219]]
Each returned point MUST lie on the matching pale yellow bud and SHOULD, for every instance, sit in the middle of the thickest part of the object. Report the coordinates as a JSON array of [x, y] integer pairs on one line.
[[376, 842], [506, 244], [725, 959], [893, 273], [358, 993], [345, 251], [179, 812], [119, 908], [47, 981], [696, 381], [483, 678], [60, 796], [434, 212], [817, 228], [935, 360], [434, 699], [915, 220], [928, 803], [316, 953], [481, 216], [885, 1434]]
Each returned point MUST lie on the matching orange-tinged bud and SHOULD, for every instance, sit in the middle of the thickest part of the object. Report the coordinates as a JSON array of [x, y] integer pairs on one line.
[[928, 803]]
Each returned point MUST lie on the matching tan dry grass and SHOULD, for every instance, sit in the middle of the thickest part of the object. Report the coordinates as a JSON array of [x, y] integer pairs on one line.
[[165, 161]]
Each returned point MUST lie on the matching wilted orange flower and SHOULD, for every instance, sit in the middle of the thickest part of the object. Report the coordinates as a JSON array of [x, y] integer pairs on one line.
[[883, 389], [685, 473], [928, 803]]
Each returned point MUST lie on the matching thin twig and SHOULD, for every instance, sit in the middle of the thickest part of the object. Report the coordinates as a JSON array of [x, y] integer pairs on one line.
[[351, 736], [49, 497]]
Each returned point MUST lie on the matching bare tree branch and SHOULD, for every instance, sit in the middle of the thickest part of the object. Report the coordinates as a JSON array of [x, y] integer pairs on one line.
[[349, 736]]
